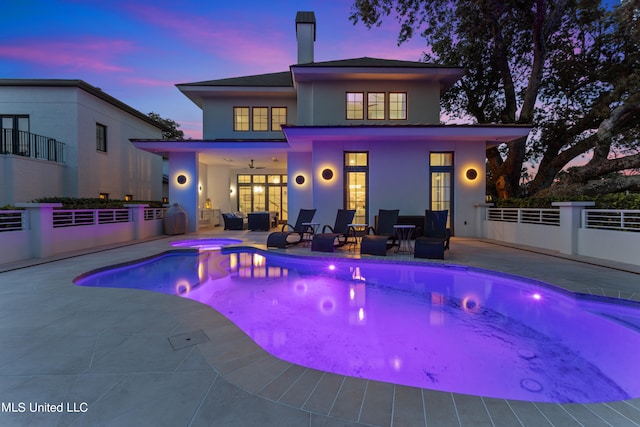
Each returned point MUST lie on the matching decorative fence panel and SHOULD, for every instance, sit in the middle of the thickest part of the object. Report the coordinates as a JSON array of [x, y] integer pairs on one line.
[[12, 220], [607, 219], [525, 216]]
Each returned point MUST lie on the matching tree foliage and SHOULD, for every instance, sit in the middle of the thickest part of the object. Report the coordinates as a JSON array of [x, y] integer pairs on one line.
[[568, 67], [170, 127]]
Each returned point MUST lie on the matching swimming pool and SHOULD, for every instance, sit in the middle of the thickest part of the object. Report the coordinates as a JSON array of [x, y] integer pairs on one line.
[[444, 328]]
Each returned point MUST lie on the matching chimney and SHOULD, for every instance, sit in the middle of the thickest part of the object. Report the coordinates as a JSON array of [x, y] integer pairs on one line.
[[306, 36]]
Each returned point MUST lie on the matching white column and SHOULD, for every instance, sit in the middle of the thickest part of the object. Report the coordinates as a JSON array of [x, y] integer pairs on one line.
[[41, 227], [569, 223]]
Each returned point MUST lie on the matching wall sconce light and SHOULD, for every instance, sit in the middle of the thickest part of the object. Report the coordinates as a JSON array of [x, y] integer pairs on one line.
[[471, 174], [200, 188], [299, 179], [181, 179], [327, 174]]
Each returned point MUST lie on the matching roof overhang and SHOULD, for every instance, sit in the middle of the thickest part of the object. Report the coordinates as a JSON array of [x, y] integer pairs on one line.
[[444, 76], [302, 138], [197, 94], [490, 135]]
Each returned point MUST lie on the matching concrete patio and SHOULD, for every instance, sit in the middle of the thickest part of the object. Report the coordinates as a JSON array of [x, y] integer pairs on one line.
[[116, 357]]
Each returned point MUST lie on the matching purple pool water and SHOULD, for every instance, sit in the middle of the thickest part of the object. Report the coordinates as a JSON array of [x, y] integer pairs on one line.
[[444, 328]]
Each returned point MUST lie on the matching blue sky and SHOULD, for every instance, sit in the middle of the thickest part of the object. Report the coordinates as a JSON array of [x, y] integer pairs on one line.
[[137, 50]]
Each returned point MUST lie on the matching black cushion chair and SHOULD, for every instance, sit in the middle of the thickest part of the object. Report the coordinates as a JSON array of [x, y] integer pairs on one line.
[[280, 239], [384, 235], [340, 230], [232, 222], [259, 221], [436, 236]]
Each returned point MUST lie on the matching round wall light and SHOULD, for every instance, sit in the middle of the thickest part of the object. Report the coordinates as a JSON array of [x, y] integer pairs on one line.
[[299, 179], [472, 174], [327, 174], [181, 179]]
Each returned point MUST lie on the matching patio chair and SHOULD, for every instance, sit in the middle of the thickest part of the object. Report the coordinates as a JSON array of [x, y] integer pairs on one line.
[[233, 221], [280, 239], [384, 235], [435, 239], [326, 241]]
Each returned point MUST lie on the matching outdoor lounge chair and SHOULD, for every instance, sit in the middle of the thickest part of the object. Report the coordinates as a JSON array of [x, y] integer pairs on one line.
[[326, 241], [384, 235], [280, 239], [436, 236]]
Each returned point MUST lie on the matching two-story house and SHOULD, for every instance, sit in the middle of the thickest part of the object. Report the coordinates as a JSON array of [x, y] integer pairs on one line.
[[66, 138], [360, 133]]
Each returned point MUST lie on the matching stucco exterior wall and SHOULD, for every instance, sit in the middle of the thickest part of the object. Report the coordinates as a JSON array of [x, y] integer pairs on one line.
[[398, 179], [69, 114], [324, 102], [123, 169], [218, 115]]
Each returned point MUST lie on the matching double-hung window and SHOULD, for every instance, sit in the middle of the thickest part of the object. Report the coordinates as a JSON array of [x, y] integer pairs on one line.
[[260, 119], [101, 138], [278, 118], [375, 105], [398, 106], [355, 105], [240, 118]]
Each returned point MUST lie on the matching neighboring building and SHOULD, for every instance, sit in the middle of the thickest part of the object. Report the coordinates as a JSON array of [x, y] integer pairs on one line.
[[67, 138], [360, 133]]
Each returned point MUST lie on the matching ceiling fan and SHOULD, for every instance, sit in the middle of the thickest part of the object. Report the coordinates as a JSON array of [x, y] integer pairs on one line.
[[252, 166]]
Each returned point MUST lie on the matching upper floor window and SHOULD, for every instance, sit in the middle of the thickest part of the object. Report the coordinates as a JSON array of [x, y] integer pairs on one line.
[[260, 119], [398, 106], [278, 117], [375, 105], [355, 105], [257, 119], [101, 137], [241, 118]]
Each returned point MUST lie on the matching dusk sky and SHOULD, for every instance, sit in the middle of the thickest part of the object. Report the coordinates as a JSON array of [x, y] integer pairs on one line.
[[138, 50]]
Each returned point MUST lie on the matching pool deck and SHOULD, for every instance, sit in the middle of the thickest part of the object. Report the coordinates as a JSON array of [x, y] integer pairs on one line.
[[118, 357]]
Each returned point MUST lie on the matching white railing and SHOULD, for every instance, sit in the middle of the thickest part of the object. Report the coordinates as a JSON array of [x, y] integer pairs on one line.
[[609, 219], [76, 217], [39, 230], [154, 213], [525, 215], [13, 220]]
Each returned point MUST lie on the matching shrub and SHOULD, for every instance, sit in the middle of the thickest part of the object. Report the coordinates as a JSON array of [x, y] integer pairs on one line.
[[91, 203]]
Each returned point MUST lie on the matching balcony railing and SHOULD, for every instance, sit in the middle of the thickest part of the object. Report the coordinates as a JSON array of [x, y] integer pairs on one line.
[[27, 144]]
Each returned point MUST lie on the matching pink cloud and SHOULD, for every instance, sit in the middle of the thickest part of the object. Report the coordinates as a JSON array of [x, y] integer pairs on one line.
[[228, 40], [84, 55], [147, 82]]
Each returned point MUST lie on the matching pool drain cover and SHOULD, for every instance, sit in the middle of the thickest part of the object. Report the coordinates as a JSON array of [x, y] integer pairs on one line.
[[188, 339], [531, 385]]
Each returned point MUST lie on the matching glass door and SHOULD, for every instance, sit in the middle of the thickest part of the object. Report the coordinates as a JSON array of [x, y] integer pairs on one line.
[[441, 190], [356, 193]]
